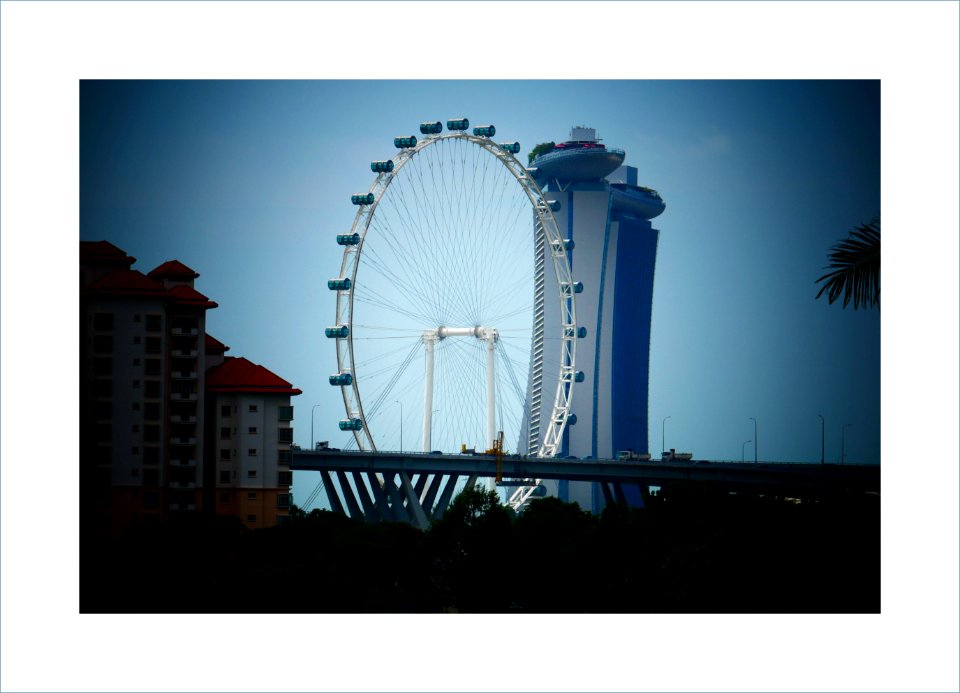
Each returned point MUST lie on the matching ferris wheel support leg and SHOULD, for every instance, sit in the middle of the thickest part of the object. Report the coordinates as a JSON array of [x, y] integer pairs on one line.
[[429, 341], [491, 337]]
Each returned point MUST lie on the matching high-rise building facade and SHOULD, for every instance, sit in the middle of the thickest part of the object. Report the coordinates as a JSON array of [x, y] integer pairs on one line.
[[145, 451], [612, 247]]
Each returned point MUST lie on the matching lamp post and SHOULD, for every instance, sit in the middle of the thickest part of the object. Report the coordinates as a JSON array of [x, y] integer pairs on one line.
[[663, 435], [822, 436], [312, 409], [756, 439], [742, 448], [396, 401], [843, 432]]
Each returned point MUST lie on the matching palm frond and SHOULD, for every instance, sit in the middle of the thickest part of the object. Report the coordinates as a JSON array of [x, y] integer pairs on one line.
[[855, 268]]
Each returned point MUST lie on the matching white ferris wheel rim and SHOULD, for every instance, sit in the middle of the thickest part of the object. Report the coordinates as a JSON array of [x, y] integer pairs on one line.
[[554, 247]]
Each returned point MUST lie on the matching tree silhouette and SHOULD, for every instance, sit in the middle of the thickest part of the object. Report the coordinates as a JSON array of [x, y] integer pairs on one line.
[[855, 268]]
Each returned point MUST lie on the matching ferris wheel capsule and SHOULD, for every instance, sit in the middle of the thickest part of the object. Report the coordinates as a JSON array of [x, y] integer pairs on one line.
[[484, 131], [381, 166], [431, 128], [405, 142], [339, 284], [338, 332], [512, 147], [341, 379], [348, 238], [458, 124], [351, 425]]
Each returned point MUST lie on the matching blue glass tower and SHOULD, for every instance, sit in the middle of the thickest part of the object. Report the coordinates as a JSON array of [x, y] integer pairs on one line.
[[606, 216]]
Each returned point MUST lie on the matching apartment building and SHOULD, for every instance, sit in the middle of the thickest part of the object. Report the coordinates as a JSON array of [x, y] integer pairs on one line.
[[249, 417], [144, 352]]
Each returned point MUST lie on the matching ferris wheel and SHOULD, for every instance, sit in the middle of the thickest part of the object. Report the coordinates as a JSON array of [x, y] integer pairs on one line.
[[440, 335]]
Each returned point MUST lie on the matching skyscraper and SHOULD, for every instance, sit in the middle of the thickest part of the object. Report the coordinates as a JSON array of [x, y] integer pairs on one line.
[[612, 247]]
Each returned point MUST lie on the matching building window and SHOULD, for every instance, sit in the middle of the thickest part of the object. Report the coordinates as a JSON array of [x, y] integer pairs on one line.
[[134, 472], [252, 408], [251, 518], [136, 317], [224, 498], [251, 452], [103, 410], [225, 433], [102, 365], [104, 432], [151, 500], [151, 477], [225, 455], [153, 345], [152, 388], [284, 457], [285, 435], [284, 413], [103, 388], [152, 367], [284, 478], [135, 428], [151, 410], [136, 362], [103, 321], [151, 434], [136, 340], [283, 500], [135, 450], [252, 474], [251, 496], [225, 410], [136, 384], [252, 430], [151, 455], [225, 477], [154, 323], [102, 343]]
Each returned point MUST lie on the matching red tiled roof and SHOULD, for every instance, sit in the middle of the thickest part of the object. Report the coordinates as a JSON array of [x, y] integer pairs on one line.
[[212, 345], [237, 374], [127, 283], [103, 252], [189, 296], [173, 269]]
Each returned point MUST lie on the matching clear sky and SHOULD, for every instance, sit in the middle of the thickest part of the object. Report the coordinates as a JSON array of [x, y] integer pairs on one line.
[[249, 182]]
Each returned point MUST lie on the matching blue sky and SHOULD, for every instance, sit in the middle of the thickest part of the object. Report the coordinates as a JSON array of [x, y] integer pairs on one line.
[[249, 182]]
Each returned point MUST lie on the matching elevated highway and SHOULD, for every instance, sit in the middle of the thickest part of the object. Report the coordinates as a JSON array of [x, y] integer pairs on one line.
[[412, 487]]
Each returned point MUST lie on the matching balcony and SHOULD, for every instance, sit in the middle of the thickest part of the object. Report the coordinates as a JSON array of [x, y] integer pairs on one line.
[[184, 396], [183, 484], [183, 418], [185, 331], [182, 506], [183, 375], [184, 353], [183, 440], [183, 462]]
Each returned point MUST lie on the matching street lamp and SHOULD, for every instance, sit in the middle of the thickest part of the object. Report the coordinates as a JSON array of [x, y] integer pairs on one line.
[[396, 401], [663, 435], [756, 439], [822, 437], [311, 424], [742, 448], [843, 432]]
